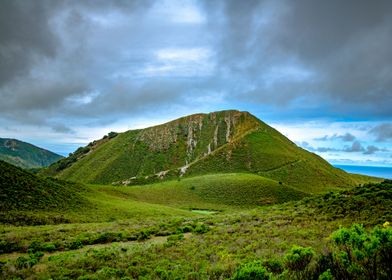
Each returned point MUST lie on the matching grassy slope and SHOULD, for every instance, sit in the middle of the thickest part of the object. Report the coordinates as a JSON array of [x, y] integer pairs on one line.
[[22, 190], [253, 147], [25, 155], [30, 199], [270, 154], [215, 192], [220, 192]]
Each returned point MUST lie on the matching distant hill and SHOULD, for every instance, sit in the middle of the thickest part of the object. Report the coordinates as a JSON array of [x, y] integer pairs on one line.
[[219, 142], [25, 155]]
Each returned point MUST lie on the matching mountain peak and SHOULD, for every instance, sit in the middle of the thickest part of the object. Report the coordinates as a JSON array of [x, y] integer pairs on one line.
[[217, 142], [203, 133]]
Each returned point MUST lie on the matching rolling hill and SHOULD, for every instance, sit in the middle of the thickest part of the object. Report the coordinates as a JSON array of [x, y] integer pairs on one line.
[[220, 142], [214, 192], [25, 155], [22, 190], [30, 199]]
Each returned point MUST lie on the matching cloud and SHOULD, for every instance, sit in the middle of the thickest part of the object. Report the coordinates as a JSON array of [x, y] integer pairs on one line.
[[25, 36], [371, 150], [383, 132], [355, 147], [332, 56], [77, 64], [347, 137], [69, 62]]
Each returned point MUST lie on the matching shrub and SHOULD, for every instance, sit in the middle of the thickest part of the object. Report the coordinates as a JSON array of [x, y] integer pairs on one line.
[[274, 266], [252, 270], [77, 244], [30, 261], [8, 246], [326, 275], [174, 239], [361, 254], [298, 258], [201, 228]]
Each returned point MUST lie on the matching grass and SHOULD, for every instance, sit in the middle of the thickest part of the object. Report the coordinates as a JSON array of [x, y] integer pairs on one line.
[[215, 192], [22, 190], [219, 245]]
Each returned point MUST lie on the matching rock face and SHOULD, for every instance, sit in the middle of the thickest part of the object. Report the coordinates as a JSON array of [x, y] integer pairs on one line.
[[201, 133], [219, 142]]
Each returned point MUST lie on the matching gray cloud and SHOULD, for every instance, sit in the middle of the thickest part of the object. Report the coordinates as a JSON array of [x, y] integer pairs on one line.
[[61, 60], [355, 147], [67, 63], [347, 137], [25, 36], [371, 150], [383, 132], [332, 53]]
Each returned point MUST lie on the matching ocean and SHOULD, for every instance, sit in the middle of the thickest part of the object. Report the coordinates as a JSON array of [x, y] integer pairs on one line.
[[377, 171]]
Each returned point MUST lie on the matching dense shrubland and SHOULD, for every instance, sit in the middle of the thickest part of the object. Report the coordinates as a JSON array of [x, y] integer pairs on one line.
[[330, 236]]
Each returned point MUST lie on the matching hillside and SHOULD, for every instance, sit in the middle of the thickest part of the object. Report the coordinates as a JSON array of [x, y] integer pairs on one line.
[[25, 155], [22, 190], [219, 142]]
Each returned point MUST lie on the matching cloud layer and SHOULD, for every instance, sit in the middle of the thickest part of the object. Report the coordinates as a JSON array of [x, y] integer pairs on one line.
[[68, 64]]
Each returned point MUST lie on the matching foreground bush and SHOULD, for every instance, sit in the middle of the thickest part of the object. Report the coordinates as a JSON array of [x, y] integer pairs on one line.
[[251, 271], [363, 255]]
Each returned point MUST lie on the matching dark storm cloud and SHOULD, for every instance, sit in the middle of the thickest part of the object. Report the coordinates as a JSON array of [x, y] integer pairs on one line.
[[335, 53], [383, 132], [73, 62], [25, 36], [55, 53]]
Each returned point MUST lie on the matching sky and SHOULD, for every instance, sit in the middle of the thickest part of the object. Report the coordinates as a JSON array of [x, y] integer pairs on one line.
[[318, 71]]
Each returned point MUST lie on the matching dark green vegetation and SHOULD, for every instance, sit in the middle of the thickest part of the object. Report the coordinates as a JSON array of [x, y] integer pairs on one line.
[[219, 142], [22, 192], [25, 155], [312, 238]]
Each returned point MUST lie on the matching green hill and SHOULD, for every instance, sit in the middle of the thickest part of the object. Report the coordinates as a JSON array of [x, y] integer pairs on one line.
[[219, 142], [22, 190], [25, 155]]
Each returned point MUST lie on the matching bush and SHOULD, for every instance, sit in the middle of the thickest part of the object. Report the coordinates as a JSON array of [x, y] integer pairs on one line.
[[298, 258], [30, 261], [252, 270], [201, 228], [361, 254], [326, 275], [174, 239], [77, 244]]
